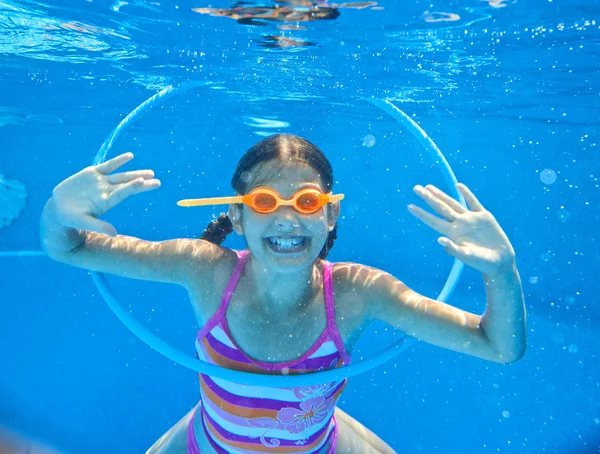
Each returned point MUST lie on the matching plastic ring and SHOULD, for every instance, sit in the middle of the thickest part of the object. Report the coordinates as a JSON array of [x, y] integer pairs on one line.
[[248, 378]]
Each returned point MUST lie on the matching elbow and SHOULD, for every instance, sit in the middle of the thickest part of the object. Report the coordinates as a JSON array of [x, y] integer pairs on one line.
[[512, 356], [47, 248]]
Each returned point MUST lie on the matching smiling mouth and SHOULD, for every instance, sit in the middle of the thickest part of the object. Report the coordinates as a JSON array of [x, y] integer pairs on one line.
[[287, 245]]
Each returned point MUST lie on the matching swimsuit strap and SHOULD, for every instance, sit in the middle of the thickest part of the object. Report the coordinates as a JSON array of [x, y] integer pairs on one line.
[[332, 328], [233, 280], [227, 294]]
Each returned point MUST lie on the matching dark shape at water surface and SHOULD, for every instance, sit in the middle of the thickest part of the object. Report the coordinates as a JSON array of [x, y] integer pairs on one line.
[[285, 11]]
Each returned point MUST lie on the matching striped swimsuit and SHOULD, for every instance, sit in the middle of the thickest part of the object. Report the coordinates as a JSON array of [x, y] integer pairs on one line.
[[256, 419]]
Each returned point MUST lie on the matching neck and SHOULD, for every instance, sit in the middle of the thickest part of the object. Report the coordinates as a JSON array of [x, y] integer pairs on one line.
[[284, 293]]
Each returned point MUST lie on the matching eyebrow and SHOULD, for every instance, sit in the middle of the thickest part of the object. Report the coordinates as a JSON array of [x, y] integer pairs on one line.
[[307, 185], [300, 186]]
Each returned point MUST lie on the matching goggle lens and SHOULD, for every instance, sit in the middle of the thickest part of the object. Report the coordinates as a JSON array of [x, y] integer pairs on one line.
[[308, 202], [264, 202]]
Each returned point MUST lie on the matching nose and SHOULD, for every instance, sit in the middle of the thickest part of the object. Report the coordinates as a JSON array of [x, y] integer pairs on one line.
[[286, 217]]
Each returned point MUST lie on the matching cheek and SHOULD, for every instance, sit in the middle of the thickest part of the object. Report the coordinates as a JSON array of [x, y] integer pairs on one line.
[[318, 225], [254, 223]]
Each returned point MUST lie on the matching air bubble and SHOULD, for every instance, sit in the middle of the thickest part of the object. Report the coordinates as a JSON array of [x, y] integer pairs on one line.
[[533, 280], [369, 141], [506, 414], [548, 176]]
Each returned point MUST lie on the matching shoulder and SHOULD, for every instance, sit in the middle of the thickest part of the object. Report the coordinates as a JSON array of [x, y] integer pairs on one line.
[[361, 292], [359, 287], [207, 264], [207, 277], [366, 285], [202, 252], [359, 277]]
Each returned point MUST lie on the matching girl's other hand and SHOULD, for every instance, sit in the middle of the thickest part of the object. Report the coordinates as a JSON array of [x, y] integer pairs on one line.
[[471, 235]]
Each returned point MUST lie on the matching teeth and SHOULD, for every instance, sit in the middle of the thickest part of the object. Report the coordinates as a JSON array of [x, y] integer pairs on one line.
[[287, 243]]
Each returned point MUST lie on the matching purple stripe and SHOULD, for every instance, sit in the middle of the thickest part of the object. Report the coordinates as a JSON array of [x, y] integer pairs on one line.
[[256, 440], [192, 443], [255, 402], [313, 364], [226, 351], [309, 364], [209, 437], [248, 402]]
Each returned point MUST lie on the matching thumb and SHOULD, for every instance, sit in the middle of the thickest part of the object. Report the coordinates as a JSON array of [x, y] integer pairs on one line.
[[97, 225], [450, 247]]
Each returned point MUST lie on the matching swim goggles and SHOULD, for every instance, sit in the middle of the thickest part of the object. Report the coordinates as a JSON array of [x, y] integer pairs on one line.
[[266, 200]]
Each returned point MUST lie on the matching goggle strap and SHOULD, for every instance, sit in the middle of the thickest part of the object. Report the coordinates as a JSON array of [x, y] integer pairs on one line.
[[210, 201], [336, 198]]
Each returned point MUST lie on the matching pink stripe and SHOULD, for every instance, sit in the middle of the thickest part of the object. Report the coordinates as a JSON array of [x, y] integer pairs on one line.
[[332, 327], [192, 443], [334, 437], [229, 289]]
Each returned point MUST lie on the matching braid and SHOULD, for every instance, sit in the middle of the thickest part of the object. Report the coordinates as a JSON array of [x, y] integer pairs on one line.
[[329, 243], [218, 229]]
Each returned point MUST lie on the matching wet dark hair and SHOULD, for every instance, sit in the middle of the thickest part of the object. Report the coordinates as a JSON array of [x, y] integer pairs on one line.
[[282, 148]]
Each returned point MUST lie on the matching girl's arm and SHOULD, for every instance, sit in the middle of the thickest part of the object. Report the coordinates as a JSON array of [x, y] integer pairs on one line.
[[72, 233], [473, 236], [499, 335]]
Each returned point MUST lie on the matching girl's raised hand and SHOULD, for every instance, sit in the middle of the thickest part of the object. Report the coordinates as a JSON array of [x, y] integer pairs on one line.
[[82, 198], [471, 235]]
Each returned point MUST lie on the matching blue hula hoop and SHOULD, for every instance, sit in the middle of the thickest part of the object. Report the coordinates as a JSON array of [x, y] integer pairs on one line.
[[247, 378]]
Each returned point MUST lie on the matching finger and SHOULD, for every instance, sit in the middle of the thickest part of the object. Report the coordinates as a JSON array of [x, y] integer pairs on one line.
[[97, 225], [113, 164], [128, 189], [452, 203], [126, 177], [436, 204], [437, 224], [472, 202]]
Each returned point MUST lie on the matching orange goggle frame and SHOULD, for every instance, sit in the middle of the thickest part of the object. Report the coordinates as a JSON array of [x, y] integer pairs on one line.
[[267, 200]]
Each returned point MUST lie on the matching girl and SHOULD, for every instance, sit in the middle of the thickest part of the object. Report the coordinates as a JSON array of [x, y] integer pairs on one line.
[[279, 307]]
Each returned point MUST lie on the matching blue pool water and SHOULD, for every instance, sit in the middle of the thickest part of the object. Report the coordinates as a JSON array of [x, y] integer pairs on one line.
[[509, 92]]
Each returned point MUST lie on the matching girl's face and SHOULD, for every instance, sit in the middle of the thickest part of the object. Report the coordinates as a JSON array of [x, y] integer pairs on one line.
[[285, 240]]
